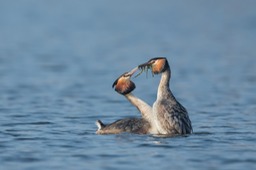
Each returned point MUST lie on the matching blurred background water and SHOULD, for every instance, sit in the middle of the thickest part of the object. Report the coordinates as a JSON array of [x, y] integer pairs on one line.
[[58, 60]]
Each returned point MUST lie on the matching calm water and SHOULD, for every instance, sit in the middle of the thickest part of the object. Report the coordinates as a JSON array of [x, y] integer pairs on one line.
[[58, 60]]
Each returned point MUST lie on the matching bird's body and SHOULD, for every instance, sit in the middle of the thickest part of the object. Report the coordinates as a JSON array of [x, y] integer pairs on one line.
[[169, 115], [145, 110], [128, 125], [143, 125]]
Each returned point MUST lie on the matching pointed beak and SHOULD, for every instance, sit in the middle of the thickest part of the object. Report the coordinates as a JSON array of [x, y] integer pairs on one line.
[[145, 65], [133, 71], [130, 73]]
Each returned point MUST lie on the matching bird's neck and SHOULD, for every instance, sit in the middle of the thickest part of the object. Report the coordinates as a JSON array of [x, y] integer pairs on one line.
[[163, 88], [142, 106]]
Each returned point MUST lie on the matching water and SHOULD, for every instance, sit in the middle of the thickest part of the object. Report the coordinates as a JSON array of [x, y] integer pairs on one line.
[[58, 60]]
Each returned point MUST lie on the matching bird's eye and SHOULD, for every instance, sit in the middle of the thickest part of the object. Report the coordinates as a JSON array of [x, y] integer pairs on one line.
[[152, 61]]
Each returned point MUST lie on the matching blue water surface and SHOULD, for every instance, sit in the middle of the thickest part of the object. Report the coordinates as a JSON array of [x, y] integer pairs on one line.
[[58, 60]]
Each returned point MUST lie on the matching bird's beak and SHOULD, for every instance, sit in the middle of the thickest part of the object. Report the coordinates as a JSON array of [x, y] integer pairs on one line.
[[145, 65], [133, 71], [130, 73]]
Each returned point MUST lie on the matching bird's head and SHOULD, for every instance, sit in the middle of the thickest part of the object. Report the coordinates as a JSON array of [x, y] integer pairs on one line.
[[123, 84], [157, 65]]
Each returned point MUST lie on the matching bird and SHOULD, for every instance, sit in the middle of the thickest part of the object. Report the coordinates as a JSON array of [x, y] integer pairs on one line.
[[128, 125], [171, 118], [124, 86]]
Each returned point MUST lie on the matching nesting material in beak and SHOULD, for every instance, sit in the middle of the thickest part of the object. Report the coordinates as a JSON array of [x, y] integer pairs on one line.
[[145, 67]]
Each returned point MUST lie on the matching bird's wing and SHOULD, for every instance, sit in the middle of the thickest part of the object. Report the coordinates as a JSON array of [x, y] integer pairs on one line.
[[174, 118]]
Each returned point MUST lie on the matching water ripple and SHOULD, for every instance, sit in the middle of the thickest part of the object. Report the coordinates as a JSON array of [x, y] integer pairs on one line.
[[23, 159], [28, 123], [31, 138]]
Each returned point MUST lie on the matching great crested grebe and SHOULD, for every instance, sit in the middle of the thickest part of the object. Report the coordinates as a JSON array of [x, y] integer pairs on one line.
[[169, 115], [125, 86], [129, 125]]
